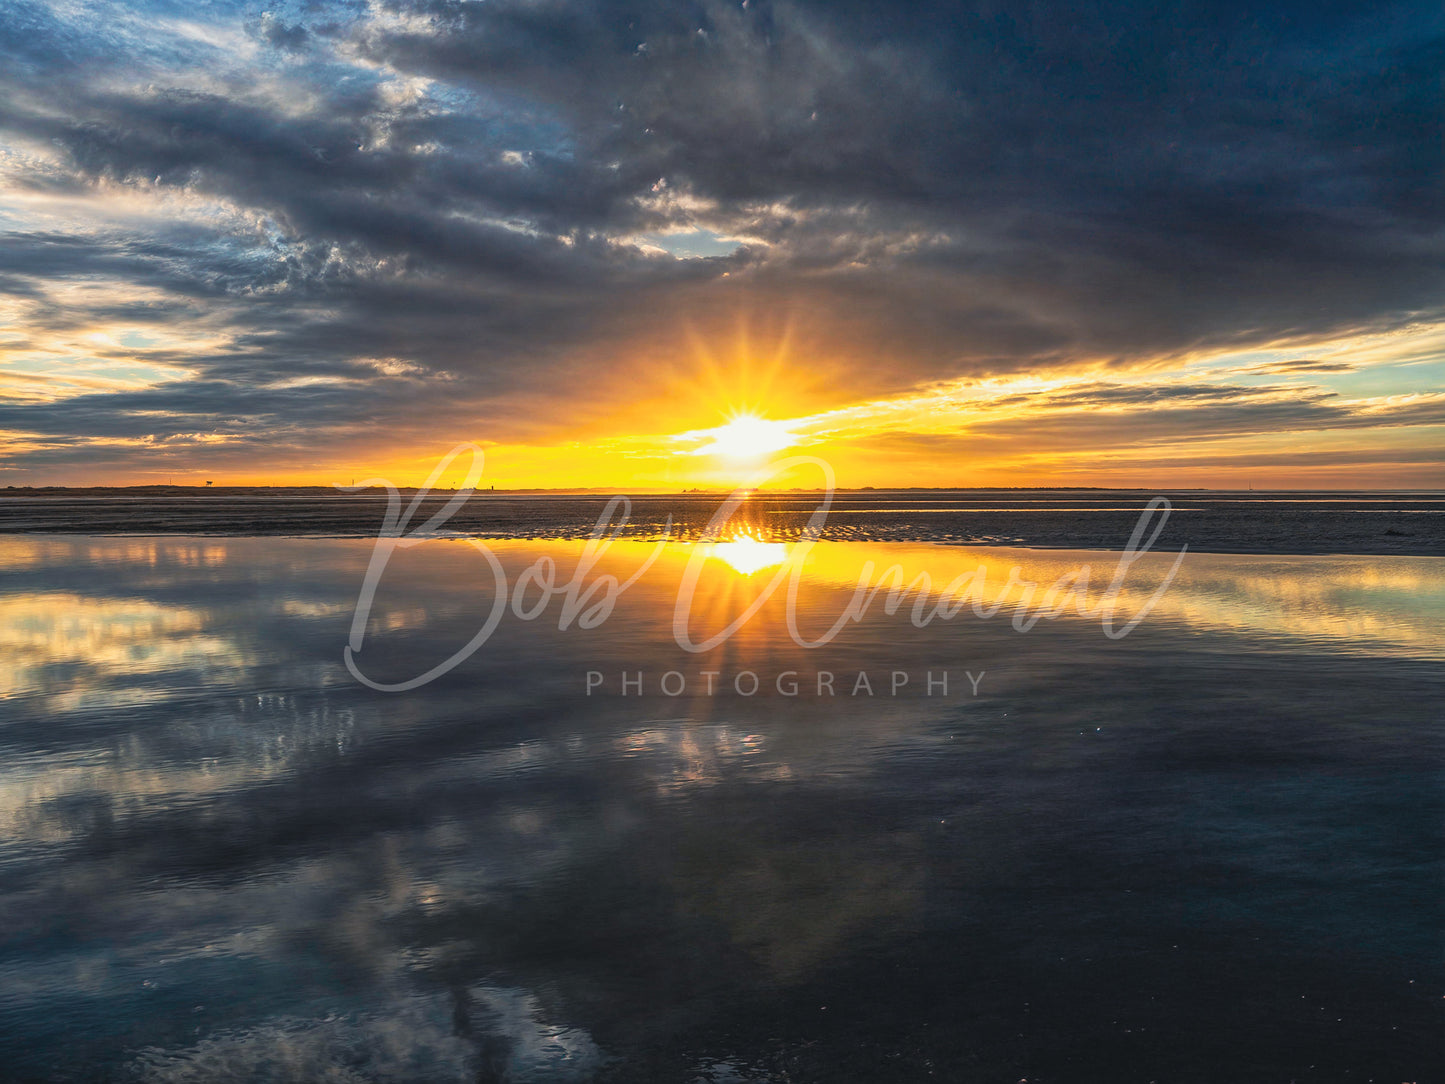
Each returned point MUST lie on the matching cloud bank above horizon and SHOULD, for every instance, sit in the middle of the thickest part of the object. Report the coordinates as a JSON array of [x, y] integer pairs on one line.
[[949, 243]]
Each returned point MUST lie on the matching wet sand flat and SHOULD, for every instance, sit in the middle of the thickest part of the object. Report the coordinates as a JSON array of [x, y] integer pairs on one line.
[[1212, 522]]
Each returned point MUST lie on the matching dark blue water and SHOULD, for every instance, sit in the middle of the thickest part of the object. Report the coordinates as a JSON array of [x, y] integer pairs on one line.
[[1211, 851]]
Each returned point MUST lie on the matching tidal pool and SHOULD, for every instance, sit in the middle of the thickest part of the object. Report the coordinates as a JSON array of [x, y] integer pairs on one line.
[[1208, 851]]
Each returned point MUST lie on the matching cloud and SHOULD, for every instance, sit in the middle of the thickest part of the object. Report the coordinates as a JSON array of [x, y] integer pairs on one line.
[[1097, 420], [485, 193], [1297, 366]]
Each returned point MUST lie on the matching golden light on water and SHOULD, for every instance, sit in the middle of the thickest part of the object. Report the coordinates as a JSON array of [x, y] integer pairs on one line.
[[747, 555]]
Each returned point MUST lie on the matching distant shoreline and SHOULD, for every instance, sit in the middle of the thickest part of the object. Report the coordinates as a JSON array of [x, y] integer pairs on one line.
[[613, 491]]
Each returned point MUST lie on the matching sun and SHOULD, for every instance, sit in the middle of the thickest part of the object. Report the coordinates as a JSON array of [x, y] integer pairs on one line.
[[747, 437]]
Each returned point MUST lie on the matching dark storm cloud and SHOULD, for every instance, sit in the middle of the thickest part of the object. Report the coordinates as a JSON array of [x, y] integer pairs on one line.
[[946, 189], [1155, 177]]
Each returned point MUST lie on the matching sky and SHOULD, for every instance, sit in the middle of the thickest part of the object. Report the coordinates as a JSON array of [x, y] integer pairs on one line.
[[653, 244]]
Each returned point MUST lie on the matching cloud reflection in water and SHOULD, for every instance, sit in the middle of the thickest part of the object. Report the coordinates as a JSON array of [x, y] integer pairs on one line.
[[225, 860]]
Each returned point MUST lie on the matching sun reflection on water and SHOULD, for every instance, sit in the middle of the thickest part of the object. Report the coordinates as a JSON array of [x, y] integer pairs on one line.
[[747, 555]]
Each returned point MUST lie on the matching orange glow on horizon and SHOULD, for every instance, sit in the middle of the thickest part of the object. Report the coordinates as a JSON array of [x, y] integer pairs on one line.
[[742, 395]]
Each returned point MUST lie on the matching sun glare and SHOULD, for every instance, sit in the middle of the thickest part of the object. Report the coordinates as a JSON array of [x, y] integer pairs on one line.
[[747, 437], [747, 555]]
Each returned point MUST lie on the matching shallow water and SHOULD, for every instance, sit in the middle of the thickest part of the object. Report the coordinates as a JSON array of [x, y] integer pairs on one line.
[[1404, 524], [1208, 851]]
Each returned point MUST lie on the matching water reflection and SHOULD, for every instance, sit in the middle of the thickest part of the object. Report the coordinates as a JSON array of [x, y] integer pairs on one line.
[[224, 859], [748, 555]]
